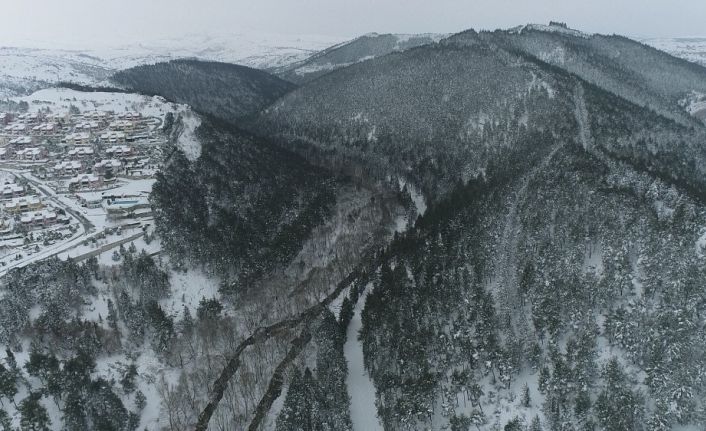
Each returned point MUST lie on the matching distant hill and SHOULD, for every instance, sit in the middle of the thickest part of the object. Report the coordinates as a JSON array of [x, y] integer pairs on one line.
[[438, 113], [226, 91], [688, 48], [347, 53], [630, 69]]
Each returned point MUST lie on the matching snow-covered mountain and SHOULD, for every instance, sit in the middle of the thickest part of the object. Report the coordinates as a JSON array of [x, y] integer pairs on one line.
[[692, 48], [363, 48], [30, 66]]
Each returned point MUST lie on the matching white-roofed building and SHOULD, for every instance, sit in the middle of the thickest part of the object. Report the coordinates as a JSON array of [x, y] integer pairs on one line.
[[31, 153], [86, 126], [123, 125], [95, 115], [16, 129], [68, 168], [113, 137], [80, 152], [119, 151], [22, 204], [44, 129], [107, 165], [21, 141], [39, 218], [78, 138], [11, 190], [85, 181]]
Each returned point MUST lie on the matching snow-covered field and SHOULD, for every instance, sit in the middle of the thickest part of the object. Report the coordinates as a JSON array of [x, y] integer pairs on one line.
[[58, 100]]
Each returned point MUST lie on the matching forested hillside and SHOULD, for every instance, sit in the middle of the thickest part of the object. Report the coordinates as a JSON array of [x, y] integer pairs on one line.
[[564, 246], [244, 207], [225, 91], [632, 70], [439, 113], [360, 49]]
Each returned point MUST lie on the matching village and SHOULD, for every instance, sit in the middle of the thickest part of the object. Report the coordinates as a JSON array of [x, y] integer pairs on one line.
[[75, 177]]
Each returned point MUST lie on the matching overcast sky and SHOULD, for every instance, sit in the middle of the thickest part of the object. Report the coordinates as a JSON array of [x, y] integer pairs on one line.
[[112, 21]]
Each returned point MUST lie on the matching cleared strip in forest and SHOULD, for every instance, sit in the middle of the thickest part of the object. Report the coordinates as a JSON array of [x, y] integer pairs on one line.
[[260, 335], [274, 389]]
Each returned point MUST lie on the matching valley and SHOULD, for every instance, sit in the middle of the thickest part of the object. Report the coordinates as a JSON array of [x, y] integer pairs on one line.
[[491, 230]]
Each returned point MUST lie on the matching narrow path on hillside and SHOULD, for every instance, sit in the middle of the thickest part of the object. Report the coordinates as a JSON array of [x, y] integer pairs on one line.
[[507, 271]]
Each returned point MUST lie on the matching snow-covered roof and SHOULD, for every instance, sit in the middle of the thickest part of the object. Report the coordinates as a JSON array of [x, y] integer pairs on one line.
[[77, 136], [11, 188], [21, 140], [108, 163], [118, 149], [24, 200], [85, 178], [68, 164], [80, 151], [113, 135], [38, 216], [29, 151]]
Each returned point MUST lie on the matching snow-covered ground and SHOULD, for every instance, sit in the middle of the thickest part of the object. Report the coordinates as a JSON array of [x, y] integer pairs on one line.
[[59, 100], [360, 386], [187, 140], [701, 244], [188, 288]]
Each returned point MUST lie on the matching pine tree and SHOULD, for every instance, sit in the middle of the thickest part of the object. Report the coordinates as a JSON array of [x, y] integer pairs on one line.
[[5, 421], [536, 424], [34, 416], [112, 316], [526, 400], [617, 406], [187, 322], [8, 384], [10, 359]]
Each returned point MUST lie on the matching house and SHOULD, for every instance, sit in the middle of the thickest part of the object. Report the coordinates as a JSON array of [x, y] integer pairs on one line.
[[122, 125], [44, 129], [78, 138], [29, 118], [95, 115], [85, 181], [68, 168], [130, 115], [39, 218], [5, 118], [119, 151], [21, 141], [107, 166], [11, 190], [86, 126], [16, 129], [5, 153], [91, 200], [31, 153], [80, 152], [113, 137], [22, 204]]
